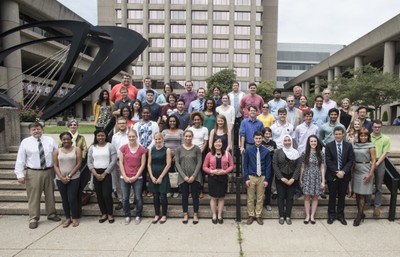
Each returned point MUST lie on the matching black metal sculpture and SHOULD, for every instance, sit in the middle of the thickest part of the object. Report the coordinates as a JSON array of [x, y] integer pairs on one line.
[[118, 47]]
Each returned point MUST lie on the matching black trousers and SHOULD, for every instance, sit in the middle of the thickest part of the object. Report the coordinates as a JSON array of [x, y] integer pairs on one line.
[[104, 193], [338, 188], [267, 200], [160, 199], [285, 198]]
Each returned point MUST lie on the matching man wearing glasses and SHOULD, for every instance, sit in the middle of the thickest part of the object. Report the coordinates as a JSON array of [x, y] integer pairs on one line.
[[295, 116], [328, 103], [320, 114]]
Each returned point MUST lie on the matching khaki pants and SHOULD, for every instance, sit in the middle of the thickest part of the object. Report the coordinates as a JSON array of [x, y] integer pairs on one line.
[[38, 181], [255, 192]]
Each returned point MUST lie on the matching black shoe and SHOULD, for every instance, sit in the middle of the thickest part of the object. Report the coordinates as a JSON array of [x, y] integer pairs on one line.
[[54, 218], [214, 221], [342, 220], [330, 221], [323, 195], [306, 221], [274, 196], [220, 221], [312, 222], [119, 206]]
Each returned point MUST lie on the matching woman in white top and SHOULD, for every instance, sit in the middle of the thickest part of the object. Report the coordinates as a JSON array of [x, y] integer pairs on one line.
[[67, 161], [227, 110], [102, 157]]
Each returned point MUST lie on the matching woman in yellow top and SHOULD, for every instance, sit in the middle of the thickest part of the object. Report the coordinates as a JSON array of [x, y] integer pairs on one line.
[[265, 117], [102, 109]]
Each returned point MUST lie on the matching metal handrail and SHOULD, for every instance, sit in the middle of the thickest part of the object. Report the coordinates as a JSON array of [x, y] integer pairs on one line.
[[392, 182]]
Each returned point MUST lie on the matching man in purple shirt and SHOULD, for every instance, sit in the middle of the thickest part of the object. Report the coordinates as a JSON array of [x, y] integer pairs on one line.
[[189, 95]]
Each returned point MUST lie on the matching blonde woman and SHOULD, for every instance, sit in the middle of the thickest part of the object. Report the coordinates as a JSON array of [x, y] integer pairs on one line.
[[346, 115]]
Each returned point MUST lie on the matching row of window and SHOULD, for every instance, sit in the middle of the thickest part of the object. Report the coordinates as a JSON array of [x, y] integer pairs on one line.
[[203, 2], [203, 57], [195, 71], [196, 15], [202, 43], [294, 66], [196, 29]]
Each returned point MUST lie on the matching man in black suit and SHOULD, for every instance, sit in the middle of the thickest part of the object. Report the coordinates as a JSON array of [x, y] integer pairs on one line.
[[339, 157]]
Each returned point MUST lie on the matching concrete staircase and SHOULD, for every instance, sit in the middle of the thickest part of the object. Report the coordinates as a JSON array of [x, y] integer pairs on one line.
[[13, 200]]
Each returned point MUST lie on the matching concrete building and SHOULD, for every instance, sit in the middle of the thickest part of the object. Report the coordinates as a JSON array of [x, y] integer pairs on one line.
[[380, 48], [17, 77], [192, 39], [296, 58]]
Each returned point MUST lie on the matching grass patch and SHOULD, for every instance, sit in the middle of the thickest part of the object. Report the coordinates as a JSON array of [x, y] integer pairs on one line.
[[54, 129]]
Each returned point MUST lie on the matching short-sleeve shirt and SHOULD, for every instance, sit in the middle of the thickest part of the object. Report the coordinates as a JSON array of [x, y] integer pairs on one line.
[[132, 161]]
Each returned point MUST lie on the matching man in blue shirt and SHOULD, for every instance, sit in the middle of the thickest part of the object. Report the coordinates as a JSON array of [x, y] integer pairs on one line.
[[248, 127], [256, 172]]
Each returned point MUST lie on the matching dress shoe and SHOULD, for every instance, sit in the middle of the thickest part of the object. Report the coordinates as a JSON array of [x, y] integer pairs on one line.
[[343, 221], [250, 220], [214, 221], [330, 221], [260, 221], [54, 218], [33, 224], [306, 221], [102, 220], [221, 221], [377, 212], [163, 219], [119, 206], [312, 222]]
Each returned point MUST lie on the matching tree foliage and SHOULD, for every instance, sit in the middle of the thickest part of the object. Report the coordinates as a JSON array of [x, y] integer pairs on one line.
[[265, 89], [223, 79], [368, 86]]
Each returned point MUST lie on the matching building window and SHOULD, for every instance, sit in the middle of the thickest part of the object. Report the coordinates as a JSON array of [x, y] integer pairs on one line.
[[178, 15], [156, 70], [137, 70], [156, 57], [199, 71], [221, 16], [220, 57], [178, 1], [257, 72], [135, 14], [178, 57], [156, 28], [242, 16], [217, 69], [199, 1], [242, 30], [199, 29], [242, 2], [220, 30], [258, 16], [156, 15], [156, 42], [178, 71], [221, 2], [178, 29], [134, 1], [241, 58], [242, 72], [258, 30], [199, 15], [199, 43], [221, 43], [199, 57], [119, 14], [156, 1], [258, 2], [178, 43], [258, 44], [199, 84], [242, 44], [257, 58], [136, 27]]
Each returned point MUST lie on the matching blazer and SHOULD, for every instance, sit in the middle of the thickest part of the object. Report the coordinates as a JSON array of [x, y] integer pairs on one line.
[[332, 161]]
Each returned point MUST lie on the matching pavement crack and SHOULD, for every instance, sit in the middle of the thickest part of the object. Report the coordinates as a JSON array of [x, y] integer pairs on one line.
[[239, 239]]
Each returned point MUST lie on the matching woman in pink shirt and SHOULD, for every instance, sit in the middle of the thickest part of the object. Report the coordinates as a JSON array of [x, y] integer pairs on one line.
[[217, 165], [132, 160]]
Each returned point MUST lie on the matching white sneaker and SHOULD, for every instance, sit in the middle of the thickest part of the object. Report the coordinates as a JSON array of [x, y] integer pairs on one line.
[[175, 195], [168, 195], [127, 220], [268, 207], [138, 220]]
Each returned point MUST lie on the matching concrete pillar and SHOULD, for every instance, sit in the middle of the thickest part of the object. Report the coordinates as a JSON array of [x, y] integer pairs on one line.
[[317, 85], [9, 18], [358, 62], [330, 78], [389, 56], [337, 72], [306, 89]]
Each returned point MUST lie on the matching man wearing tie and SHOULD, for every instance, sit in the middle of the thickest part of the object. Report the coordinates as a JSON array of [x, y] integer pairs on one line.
[[339, 157], [35, 154], [256, 172]]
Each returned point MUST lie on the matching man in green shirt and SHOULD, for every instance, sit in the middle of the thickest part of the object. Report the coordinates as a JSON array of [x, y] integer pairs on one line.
[[382, 148]]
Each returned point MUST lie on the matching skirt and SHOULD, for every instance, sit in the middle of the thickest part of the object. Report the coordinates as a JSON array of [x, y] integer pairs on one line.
[[217, 185]]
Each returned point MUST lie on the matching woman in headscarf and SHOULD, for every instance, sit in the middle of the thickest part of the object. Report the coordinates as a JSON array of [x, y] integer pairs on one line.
[[286, 164]]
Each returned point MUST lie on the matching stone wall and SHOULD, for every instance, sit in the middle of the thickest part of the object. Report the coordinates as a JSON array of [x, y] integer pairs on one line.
[[10, 132]]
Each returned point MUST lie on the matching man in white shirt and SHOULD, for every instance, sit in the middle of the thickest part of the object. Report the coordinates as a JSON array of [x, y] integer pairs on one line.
[[281, 128], [35, 155], [328, 103], [276, 103]]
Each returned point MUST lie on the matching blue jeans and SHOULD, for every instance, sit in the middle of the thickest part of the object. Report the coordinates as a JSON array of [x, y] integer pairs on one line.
[[126, 190]]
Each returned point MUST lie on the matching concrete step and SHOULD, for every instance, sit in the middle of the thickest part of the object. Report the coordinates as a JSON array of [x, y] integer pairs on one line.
[[175, 211], [7, 174], [13, 148], [8, 157], [7, 164]]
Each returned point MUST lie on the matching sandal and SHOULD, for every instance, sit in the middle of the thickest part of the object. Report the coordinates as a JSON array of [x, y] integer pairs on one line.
[[66, 223]]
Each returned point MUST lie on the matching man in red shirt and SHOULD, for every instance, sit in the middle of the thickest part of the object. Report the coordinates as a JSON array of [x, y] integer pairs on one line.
[[132, 90]]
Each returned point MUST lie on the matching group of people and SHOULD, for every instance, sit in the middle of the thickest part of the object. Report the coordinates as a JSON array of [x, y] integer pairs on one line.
[[162, 145]]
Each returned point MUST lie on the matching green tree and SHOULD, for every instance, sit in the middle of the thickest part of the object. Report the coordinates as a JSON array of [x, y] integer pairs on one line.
[[368, 86], [265, 89], [223, 79]]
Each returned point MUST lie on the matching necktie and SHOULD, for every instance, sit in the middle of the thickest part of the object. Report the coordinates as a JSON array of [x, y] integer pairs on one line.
[[41, 155], [258, 162], [339, 153], [236, 105], [201, 105]]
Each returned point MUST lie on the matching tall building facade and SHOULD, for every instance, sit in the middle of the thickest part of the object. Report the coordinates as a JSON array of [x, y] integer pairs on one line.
[[296, 58], [193, 39]]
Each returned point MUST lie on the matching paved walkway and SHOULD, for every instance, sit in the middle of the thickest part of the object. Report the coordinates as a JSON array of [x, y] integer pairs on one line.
[[373, 238]]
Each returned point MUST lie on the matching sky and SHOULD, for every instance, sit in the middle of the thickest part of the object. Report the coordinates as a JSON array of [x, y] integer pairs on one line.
[[305, 21]]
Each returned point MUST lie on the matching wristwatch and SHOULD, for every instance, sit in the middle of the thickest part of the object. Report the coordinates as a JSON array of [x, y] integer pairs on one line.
[[69, 176]]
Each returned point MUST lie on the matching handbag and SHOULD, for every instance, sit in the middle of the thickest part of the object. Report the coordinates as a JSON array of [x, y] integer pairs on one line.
[[173, 179]]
